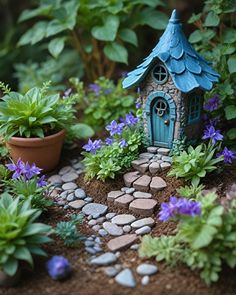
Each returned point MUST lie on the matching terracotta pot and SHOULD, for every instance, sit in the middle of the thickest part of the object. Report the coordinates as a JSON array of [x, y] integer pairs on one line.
[[9, 281], [44, 152]]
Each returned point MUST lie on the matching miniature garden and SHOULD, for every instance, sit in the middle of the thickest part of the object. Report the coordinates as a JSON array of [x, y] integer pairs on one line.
[[118, 147]]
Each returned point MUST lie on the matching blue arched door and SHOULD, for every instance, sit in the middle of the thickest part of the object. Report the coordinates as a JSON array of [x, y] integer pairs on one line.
[[161, 113]]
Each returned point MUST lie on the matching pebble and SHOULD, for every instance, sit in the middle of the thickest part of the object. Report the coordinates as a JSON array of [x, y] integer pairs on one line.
[[65, 170], [122, 242], [96, 227], [130, 190], [88, 199], [126, 278], [145, 280], [104, 259], [66, 207], [78, 166], [101, 219], [80, 193], [111, 271], [102, 232], [97, 248], [143, 230], [69, 186], [143, 222], [78, 204], [92, 222], [110, 215], [55, 179], [68, 177], [123, 219], [167, 159], [70, 197], [126, 228], [61, 202], [112, 229], [88, 243], [98, 240], [142, 195], [134, 247], [124, 189], [63, 195], [91, 250], [146, 269], [94, 209]]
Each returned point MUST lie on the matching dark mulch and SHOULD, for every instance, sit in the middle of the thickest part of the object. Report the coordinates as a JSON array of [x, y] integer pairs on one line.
[[88, 280]]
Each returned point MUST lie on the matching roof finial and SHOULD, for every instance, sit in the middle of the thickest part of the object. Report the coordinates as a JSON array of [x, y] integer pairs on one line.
[[174, 17]]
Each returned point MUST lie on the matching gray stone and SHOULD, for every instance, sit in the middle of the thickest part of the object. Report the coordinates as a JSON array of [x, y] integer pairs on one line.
[[80, 193], [97, 248], [143, 222], [88, 199], [163, 151], [69, 186], [154, 167], [98, 240], [126, 228], [104, 259], [143, 230], [110, 215], [102, 232], [111, 196], [145, 280], [123, 219], [121, 242], [142, 183], [78, 165], [55, 179], [157, 157], [78, 204], [126, 278], [165, 166], [157, 184], [96, 227], [166, 159], [66, 169], [92, 222], [66, 207], [146, 269], [130, 177], [124, 201], [70, 197], [94, 209], [91, 250], [68, 177], [134, 247], [143, 207], [143, 168], [63, 195], [89, 243], [101, 219], [142, 195], [61, 203], [137, 163], [130, 190], [112, 229], [111, 271], [152, 149], [124, 189], [147, 156]]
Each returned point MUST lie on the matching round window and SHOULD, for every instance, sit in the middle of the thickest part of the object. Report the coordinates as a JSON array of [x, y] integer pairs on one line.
[[160, 74]]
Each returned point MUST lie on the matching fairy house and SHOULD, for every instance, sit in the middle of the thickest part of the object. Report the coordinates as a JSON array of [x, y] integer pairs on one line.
[[172, 81]]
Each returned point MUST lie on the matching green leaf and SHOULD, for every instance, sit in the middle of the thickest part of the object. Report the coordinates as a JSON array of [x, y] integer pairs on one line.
[[151, 3], [23, 253], [116, 52], [128, 36], [108, 31], [10, 267], [212, 19], [194, 18], [43, 10], [232, 133], [35, 34], [55, 27], [153, 18], [229, 35], [196, 36], [230, 112], [232, 64], [82, 130], [56, 46], [204, 237]]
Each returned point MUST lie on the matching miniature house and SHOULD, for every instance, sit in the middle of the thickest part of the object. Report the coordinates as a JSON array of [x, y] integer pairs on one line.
[[172, 81]]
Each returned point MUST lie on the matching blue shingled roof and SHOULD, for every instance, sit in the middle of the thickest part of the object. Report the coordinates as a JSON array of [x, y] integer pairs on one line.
[[186, 67]]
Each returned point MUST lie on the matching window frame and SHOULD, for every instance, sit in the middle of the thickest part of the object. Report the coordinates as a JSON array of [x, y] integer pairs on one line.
[[166, 76], [194, 101]]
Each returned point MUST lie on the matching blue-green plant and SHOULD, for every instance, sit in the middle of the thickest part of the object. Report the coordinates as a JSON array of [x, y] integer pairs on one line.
[[190, 191], [20, 236], [68, 232]]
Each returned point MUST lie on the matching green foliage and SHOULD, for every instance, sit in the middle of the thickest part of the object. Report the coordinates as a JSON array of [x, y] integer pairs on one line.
[[215, 39], [98, 30], [179, 145], [110, 103], [203, 243], [191, 191], [194, 164], [35, 114], [20, 235], [67, 230]]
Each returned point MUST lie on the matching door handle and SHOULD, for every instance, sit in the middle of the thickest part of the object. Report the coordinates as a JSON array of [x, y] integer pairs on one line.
[[167, 122]]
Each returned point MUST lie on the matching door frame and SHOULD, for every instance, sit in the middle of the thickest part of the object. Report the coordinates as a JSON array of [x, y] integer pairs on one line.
[[172, 107]]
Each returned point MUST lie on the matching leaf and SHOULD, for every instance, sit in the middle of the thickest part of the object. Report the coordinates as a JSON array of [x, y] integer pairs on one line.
[[151, 3], [230, 112], [108, 31], [212, 19], [35, 34], [229, 35], [10, 267], [196, 36], [204, 237], [232, 133], [82, 130], [54, 27], [232, 64], [56, 46], [129, 36], [116, 52], [153, 18], [43, 10], [24, 254]]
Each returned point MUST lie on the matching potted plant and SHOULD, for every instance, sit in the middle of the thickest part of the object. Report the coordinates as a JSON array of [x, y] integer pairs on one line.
[[20, 237], [34, 124]]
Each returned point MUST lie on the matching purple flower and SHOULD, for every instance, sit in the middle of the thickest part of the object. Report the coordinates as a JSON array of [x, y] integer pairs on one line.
[[211, 133], [109, 141], [58, 267], [130, 120], [179, 207], [228, 155], [212, 104], [95, 88], [115, 128], [92, 146], [123, 143], [17, 168], [31, 171], [41, 181], [138, 104], [67, 92], [107, 91]]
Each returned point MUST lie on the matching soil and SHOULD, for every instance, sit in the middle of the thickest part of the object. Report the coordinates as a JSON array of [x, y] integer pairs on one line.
[[89, 280]]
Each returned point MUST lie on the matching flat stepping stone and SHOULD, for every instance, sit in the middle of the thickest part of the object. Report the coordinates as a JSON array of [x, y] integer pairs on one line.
[[104, 259], [69, 186], [78, 204], [123, 219], [121, 242], [163, 151], [157, 184], [152, 149], [111, 196], [143, 168], [143, 222], [130, 177], [154, 167], [94, 209], [137, 163], [124, 201], [143, 207], [146, 269], [80, 193], [125, 278], [165, 166], [146, 156], [166, 159], [68, 177], [142, 184], [143, 230], [142, 195], [112, 229]]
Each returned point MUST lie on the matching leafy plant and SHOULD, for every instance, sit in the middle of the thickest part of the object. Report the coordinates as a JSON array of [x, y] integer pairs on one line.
[[67, 230], [195, 163], [179, 145], [36, 114], [215, 38], [191, 191], [103, 102], [97, 30], [20, 236]]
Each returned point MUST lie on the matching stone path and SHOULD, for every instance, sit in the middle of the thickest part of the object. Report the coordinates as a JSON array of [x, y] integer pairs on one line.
[[123, 230]]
